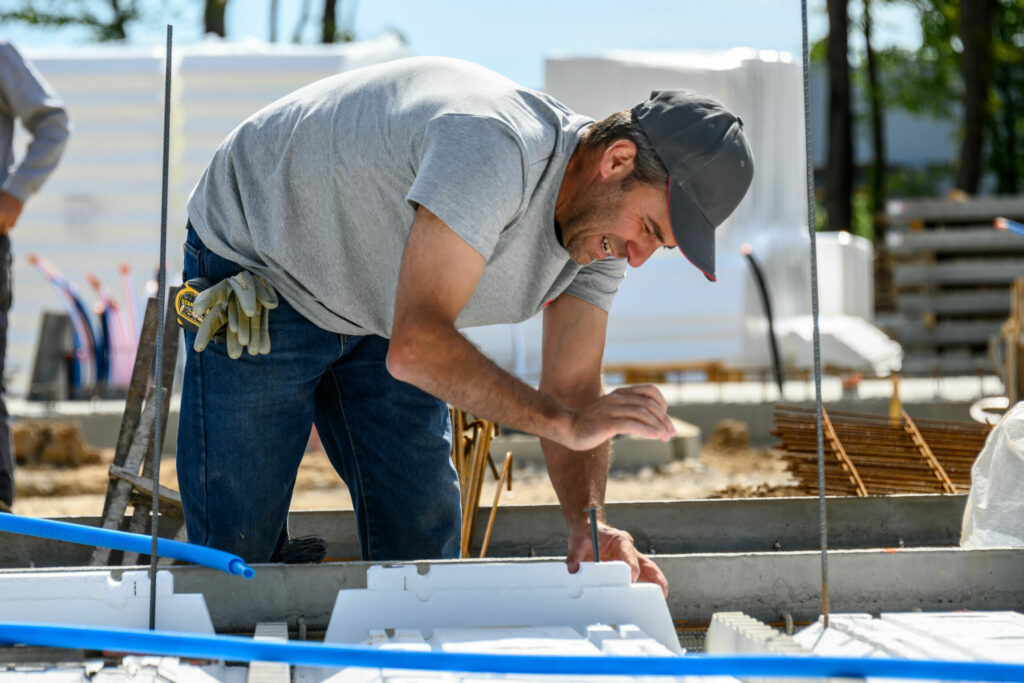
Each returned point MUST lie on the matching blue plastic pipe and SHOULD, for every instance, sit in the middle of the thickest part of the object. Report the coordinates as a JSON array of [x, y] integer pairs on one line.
[[1010, 225], [234, 648], [123, 540]]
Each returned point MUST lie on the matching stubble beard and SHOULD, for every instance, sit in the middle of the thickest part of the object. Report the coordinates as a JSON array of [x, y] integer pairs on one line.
[[588, 218]]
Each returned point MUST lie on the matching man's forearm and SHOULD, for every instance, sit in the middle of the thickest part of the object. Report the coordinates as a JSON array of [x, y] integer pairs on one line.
[[579, 479], [445, 364]]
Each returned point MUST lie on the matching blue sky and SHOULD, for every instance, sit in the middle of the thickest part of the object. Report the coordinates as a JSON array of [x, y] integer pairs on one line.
[[514, 37]]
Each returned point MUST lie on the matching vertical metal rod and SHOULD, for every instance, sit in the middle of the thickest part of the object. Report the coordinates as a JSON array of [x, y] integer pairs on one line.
[[161, 320], [814, 314], [592, 511]]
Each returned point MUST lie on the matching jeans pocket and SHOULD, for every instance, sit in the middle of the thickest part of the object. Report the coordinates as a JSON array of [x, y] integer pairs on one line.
[[200, 261]]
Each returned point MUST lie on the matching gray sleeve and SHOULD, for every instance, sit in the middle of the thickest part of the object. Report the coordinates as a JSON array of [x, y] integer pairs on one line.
[[28, 97], [471, 176], [598, 282]]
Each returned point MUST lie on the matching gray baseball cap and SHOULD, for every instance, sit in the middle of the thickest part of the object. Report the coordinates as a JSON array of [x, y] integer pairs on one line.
[[709, 162]]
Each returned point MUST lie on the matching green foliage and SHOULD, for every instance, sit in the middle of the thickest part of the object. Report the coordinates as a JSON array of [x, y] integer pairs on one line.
[[861, 219], [929, 181], [1006, 101], [928, 82], [106, 20]]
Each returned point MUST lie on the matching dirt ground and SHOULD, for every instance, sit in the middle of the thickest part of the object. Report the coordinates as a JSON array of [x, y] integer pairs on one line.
[[727, 467]]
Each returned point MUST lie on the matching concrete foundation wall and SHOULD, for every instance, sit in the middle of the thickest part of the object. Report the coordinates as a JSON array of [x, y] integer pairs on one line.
[[660, 528], [767, 586]]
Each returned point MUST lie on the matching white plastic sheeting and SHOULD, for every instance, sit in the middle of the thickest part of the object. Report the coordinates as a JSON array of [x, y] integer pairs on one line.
[[666, 311], [994, 515], [101, 207]]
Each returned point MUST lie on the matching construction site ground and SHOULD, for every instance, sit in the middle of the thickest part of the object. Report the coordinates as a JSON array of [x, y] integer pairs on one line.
[[59, 486]]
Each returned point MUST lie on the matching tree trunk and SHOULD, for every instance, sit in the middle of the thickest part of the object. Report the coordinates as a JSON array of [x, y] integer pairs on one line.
[[213, 17], [839, 174], [878, 174], [330, 22], [301, 24], [1011, 180], [976, 36], [273, 21]]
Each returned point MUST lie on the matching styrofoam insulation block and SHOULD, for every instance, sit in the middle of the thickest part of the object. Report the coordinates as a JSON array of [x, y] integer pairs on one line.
[[500, 608], [536, 640], [988, 636], [738, 633], [950, 636], [501, 594], [97, 598], [270, 672]]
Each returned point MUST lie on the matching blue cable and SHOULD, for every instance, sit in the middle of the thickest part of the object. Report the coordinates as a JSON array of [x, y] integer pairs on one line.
[[235, 648], [123, 540]]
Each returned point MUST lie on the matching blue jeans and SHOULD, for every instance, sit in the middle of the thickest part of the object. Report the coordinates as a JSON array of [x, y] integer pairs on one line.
[[244, 425]]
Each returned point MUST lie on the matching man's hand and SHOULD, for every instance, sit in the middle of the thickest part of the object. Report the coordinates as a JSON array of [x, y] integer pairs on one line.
[[615, 544], [10, 210], [639, 410]]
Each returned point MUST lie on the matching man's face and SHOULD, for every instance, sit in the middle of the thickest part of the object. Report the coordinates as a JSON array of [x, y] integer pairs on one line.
[[616, 219]]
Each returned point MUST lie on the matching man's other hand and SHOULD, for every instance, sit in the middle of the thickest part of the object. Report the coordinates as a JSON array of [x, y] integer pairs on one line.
[[10, 210], [615, 544], [639, 410]]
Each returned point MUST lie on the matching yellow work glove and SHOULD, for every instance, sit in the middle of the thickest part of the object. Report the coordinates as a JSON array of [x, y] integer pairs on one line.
[[243, 303]]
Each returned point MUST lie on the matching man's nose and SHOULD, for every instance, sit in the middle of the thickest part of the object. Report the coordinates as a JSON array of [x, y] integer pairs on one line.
[[638, 252]]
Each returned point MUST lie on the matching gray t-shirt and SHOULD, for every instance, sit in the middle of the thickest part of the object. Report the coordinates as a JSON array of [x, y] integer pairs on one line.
[[317, 192]]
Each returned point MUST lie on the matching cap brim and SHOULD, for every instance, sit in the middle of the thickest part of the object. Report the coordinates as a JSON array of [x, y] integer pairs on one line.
[[694, 233]]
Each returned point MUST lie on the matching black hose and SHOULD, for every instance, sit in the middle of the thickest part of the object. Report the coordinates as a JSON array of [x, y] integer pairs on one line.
[[766, 303]]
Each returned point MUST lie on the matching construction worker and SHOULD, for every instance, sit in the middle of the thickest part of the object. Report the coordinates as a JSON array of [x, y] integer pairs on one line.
[[354, 225], [26, 97]]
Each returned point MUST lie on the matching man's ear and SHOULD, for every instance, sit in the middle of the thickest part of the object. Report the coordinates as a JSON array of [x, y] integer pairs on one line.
[[617, 160]]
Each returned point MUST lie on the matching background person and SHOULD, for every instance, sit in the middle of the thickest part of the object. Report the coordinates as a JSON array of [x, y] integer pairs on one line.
[[25, 97]]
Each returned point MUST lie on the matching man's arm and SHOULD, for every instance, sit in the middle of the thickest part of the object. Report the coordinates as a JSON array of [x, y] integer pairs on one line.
[[439, 274], [27, 97], [574, 336]]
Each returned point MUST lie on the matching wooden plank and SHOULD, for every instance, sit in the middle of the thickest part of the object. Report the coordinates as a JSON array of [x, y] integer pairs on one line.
[[118, 502], [659, 372], [168, 496], [935, 364], [956, 332], [1014, 373], [137, 389], [975, 302], [959, 272], [902, 211], [980, 239]]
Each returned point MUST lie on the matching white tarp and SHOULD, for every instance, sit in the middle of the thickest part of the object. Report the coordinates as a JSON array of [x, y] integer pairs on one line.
[[994, 514]]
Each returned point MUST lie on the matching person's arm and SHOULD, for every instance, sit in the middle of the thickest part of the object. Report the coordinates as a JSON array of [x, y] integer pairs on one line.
[[439, 274], [573, 347], [28, 98]]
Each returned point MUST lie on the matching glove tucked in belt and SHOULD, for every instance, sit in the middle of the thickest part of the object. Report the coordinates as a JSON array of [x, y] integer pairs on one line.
[[243, 302]]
